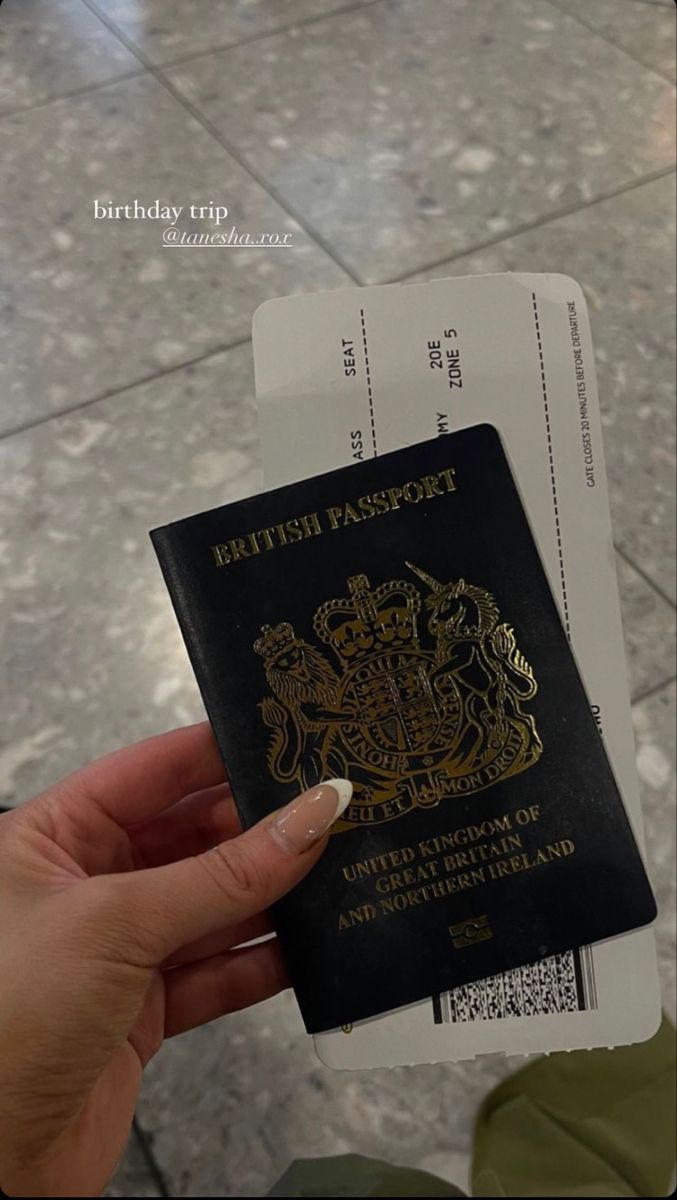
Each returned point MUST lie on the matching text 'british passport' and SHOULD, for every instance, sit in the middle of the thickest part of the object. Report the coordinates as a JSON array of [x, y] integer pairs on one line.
[[391, 623]]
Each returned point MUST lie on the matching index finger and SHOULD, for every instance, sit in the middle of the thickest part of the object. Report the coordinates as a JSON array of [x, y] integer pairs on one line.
[[142, 780]]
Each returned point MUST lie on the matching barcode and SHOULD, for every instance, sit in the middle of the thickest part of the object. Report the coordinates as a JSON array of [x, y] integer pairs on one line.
[[561, 984]]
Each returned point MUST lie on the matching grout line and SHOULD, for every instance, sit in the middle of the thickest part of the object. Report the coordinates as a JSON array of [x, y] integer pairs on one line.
[[81, 91], [125, 387], [207, 125], [156, 72], [575, 16], [653, 690], [127, 42], [557, 214], [210, 128], [516, 232], [271, 191], [356, 6], [151, 1162], [318, 238], [643, 575]]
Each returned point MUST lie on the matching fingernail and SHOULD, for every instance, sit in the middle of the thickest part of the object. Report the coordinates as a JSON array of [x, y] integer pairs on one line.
[[308, 817]]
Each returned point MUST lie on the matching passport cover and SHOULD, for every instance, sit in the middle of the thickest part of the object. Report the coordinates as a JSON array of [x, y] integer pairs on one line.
[[391, 622]]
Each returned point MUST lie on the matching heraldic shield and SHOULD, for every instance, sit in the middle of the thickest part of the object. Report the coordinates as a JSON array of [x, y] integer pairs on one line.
[[410, 721]]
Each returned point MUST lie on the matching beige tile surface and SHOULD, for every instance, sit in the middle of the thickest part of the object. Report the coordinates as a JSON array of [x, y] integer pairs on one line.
[[91, 304], [648, 37], [52, 47], [414, 129], [90, 645], [166, 30]]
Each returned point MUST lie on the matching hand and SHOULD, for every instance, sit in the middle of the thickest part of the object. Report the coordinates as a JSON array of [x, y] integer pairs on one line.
[[123, 890]]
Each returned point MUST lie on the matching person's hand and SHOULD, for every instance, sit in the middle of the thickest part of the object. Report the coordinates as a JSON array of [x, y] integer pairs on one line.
[[123, 890]]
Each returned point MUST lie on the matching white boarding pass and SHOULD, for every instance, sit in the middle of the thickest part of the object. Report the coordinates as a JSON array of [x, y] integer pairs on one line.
[[345, 375]]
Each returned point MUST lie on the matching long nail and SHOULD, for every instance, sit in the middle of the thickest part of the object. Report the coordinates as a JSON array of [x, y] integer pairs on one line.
[[308, 818]]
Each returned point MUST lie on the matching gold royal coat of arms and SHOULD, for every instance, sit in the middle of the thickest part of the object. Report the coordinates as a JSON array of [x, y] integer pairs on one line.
[[409, 724]]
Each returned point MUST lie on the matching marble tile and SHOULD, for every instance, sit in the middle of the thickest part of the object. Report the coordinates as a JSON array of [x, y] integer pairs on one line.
[[230, 1105], [90, 646], [165, 32], [649, 628], [52, 48], [133, 1176], [412, 130], [622, 253], [655, 738], [647, 36], [92, 305]]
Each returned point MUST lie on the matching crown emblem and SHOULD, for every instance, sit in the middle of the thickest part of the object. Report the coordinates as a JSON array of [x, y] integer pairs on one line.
[[370, 620], [274, 642]]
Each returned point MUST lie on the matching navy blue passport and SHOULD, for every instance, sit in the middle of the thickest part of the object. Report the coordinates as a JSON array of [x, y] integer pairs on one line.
[[391, 622]]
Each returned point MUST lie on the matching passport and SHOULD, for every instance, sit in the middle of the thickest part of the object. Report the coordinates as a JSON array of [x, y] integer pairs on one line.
[[391, 622]]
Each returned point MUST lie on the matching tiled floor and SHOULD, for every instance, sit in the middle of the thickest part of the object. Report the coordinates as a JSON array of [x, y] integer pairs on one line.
[[395, 138]]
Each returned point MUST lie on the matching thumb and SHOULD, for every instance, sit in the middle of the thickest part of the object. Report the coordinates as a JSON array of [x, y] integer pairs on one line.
[[177, 904]]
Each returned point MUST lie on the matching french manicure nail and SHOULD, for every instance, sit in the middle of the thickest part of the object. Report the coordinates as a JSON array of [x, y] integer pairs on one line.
[[307, 818]]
